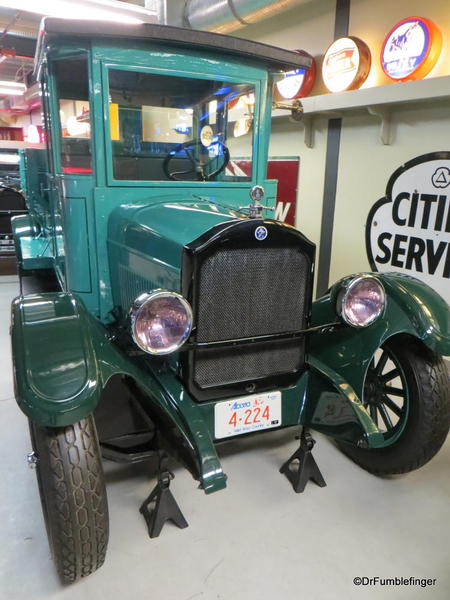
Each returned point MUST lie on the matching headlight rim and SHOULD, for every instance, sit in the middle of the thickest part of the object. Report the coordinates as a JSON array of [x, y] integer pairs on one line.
[[350, 284], [143, 299]]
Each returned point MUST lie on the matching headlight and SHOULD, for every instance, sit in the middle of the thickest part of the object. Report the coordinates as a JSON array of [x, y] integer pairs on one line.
[[160, 321], [363, 301]]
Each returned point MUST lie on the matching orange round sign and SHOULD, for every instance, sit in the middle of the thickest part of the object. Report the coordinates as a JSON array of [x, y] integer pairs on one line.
[[411, 49], [297, 83], [346, 64]]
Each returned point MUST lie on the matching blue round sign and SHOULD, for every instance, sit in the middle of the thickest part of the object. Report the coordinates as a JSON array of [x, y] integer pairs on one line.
[[260, 233], [406, 48]]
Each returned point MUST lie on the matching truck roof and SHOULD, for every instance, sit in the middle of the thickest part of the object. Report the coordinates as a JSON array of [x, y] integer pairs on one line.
[[271, 56]]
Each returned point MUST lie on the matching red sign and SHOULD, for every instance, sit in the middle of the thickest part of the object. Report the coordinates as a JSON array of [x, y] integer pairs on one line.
[[286, 172], [341, 61]]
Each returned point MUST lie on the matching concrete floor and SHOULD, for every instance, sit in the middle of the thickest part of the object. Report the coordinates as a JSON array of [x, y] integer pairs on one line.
[[256, 540]]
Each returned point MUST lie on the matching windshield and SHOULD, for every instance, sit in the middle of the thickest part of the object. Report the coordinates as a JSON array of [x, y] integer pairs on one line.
[[164, 127]]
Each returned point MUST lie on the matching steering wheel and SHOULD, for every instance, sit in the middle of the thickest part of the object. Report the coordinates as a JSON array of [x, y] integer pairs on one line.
[[197, 166]]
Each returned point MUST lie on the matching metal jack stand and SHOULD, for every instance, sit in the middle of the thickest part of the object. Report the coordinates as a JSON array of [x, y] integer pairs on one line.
[[165, 506], [307, 466]]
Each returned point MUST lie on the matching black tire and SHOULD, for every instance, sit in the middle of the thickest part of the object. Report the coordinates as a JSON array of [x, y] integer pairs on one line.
[[73, 496], [424, 417]]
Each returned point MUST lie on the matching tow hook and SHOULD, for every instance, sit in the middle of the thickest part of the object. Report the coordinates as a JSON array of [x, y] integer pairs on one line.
[[32, 460]]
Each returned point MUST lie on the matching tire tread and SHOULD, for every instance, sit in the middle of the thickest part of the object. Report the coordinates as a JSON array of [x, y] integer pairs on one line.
[[73, 492]]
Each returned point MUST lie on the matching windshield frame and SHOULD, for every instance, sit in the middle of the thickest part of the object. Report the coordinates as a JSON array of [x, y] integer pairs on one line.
[[225, 78]]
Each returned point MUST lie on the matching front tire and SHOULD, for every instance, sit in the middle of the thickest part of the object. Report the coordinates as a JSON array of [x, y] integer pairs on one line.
[[73, 496], [406, 393]]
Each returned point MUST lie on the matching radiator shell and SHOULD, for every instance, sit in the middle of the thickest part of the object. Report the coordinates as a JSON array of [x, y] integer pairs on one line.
[[243, 287]]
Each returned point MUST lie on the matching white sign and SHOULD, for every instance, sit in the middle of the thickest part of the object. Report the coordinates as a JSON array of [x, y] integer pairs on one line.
[[346, 64], [292, 83], [408, 230]]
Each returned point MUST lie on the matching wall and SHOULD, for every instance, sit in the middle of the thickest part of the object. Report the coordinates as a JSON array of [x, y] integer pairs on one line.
[[365, 164], [23, 120], [309, 27]]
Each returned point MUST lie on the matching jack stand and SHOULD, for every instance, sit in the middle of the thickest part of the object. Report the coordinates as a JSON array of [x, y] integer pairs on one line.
[[165, 506], [307, 466]]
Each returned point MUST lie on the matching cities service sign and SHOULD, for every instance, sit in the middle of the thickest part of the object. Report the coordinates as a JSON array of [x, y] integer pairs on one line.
[[408, 230]]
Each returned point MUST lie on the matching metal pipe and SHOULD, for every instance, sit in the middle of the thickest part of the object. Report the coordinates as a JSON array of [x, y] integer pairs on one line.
[[224, 16]]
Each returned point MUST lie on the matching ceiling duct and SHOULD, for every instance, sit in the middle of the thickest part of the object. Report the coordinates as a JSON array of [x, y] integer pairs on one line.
[[159, 8], [224, 16]]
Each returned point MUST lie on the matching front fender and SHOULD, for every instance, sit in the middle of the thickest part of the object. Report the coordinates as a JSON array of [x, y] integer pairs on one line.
[[62, 359], [412, 308], [427, 311], [56, 376]]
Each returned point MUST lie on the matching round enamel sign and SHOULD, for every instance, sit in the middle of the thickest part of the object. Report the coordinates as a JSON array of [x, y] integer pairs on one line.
[[297, 83], [411, 49], [346, 64]]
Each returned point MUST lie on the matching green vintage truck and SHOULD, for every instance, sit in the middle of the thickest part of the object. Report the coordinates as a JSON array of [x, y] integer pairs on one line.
[[163, 311]]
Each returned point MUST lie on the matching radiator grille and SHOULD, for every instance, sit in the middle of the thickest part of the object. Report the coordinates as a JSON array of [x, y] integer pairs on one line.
[[232, 365], [131, 286], [256, 291], [244, 293]]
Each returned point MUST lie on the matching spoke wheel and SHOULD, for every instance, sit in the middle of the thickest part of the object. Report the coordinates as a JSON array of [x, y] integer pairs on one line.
[[386, 394], [406, 393]]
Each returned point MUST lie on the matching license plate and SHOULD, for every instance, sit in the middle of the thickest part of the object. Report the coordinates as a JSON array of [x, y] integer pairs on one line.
[[246, 414]]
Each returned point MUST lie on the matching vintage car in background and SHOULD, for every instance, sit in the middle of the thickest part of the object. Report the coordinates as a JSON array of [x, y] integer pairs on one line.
[[12, 203], [164, 311]]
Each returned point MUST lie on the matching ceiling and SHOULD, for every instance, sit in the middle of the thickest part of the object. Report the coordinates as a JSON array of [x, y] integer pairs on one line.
[[18, 32], [15, 68], [20, 23]]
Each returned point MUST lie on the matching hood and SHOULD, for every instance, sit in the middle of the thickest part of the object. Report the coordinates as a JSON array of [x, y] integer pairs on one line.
[[160, 230], [145, 243]]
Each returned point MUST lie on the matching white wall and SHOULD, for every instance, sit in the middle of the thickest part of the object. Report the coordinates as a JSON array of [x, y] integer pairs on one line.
[[308, 27], [23, 120], [365, 164]]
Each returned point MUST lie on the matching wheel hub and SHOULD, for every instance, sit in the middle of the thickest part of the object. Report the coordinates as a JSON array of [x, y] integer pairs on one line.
[[374, 389]]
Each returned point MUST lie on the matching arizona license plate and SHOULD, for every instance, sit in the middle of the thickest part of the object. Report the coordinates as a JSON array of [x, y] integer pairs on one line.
[[249, 413]]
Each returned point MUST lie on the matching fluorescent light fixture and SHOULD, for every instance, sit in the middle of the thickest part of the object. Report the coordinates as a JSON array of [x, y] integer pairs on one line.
[[8, 91], [13, 84], [9, 158], [12, 88], [98, 10]]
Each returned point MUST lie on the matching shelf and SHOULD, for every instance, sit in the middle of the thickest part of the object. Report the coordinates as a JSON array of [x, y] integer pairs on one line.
[[16, 145], [378, 101]]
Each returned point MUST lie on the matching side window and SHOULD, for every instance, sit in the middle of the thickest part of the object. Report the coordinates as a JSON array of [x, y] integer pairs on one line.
[[72, 85]]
